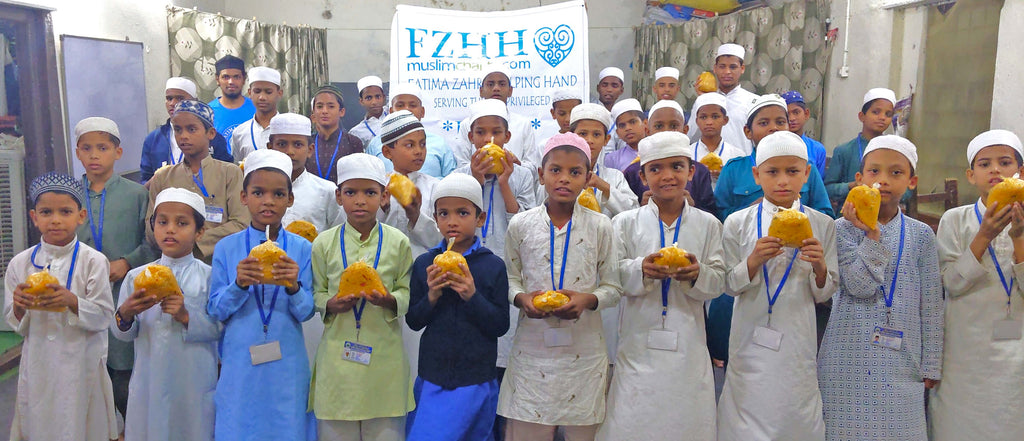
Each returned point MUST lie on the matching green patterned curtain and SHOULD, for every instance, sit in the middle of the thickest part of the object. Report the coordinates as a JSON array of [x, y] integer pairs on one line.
[[199, 39], [785, 46]]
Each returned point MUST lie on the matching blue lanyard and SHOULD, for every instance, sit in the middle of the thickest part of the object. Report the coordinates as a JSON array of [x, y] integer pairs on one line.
[[170, 148], [71, 272], [358, 310], [565, 253], [764, 268], [261, 299], [666, 282], [999, 270], [372, 133], [896, 272], [597, 170], [316, 149], [860, 146], [721, 147], [252, 137], [490, 204], [199, 181], [97, 227]]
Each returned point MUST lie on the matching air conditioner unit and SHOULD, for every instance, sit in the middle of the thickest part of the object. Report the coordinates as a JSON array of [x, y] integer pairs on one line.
[[13, 214]]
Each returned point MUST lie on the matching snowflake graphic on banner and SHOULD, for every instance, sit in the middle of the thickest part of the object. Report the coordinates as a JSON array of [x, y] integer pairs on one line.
[[447, 126], [535, 123]]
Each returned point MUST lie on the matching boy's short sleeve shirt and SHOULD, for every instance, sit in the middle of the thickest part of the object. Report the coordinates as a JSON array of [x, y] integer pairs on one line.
[[225, 120]]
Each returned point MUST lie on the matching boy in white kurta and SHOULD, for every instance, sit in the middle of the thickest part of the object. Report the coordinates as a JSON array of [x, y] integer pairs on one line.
[[663, 355], [404, 143], [771, 387], [175, 374], [558, 367], [64, 392], [981, 391], [591, 122], [315, 200]]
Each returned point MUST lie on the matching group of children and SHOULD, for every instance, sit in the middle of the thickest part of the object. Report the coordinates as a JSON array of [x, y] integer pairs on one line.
[[437, 354]]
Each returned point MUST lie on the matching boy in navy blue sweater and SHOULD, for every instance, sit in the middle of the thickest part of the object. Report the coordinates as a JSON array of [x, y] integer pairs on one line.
[[464, 314]]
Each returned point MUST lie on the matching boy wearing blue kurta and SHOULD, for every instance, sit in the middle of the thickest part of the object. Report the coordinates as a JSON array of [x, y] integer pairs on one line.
[[264, 382]]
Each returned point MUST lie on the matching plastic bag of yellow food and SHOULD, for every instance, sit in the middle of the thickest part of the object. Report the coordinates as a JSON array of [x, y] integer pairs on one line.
[[1007, 192], [712, 161], [159, 281], [268, 253], [550, 301], [449, 260], [706, 82], [359, 279], [588, 199], [673, 257], [497, 154], [402, 188], [302, 228], [792, 226], [37, 287], [866, 200]]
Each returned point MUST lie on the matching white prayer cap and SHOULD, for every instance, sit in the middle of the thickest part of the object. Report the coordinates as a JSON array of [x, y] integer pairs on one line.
[[592, 111], [782, 143], [991, 138], [707, 99], [624, 106], [893, 142], [96, 124], [406, 89], [362, 166], [174, 194], [566, 93], [261, 73], [290, 124], [488, 107], [611, 72], [495, 67], [268, 159], [763, 101], [459, 185], [670, 72], [731, 49], [663, 145], [880, 93], [367, 81], [181, 83], [667, 104]]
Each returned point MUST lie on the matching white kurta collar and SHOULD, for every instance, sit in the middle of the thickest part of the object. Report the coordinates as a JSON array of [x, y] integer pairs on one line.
[[57, 251], [175, 263]]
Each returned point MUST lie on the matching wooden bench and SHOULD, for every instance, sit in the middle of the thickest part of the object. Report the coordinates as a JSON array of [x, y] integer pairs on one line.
[[949, 198]]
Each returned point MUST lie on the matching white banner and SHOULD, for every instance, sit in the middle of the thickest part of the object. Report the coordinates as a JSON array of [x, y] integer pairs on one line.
[[445, 52]]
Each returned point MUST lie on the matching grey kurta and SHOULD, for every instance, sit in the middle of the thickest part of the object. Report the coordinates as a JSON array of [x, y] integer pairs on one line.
[[123, 209], [869, 391]]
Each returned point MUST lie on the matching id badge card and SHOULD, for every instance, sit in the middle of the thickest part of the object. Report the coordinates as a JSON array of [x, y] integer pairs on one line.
[[265, 353], [357, 353], [887, 338], [1007, 329], [214, 214], [663, 340], [768, 338], [555, 337]]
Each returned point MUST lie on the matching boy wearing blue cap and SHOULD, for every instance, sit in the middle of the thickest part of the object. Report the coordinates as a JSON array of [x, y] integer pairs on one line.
[[799, 114]]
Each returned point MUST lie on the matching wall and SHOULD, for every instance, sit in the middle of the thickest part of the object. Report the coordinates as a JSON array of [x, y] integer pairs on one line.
[[137, 20], [359, 32], [1007, 113], [869, 60]]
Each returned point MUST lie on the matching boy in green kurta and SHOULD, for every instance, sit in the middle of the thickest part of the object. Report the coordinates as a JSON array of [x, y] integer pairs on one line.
[[117, 226], [361, 386]]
